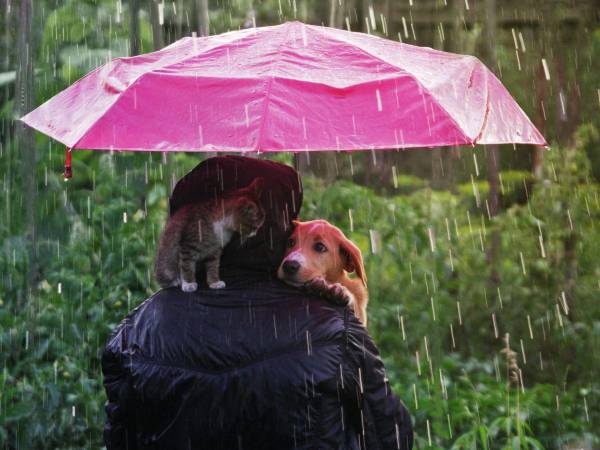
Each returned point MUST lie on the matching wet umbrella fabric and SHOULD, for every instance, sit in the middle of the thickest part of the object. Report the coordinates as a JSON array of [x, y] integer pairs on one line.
[[290, 87]]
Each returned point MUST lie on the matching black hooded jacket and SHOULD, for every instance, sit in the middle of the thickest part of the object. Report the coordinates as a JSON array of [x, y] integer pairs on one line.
[[257, 365]]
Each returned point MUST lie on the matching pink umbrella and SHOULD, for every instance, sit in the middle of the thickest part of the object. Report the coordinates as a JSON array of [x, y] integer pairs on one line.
[[290, 87]]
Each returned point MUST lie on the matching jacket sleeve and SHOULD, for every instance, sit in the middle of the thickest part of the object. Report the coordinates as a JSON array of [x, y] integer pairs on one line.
[[385, 421], [119, 428]]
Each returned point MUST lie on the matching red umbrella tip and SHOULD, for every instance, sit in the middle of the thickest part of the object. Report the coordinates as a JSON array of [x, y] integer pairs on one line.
[[68, 173]]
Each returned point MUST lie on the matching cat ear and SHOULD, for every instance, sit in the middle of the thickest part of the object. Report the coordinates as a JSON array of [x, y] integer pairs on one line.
[[257, 186]]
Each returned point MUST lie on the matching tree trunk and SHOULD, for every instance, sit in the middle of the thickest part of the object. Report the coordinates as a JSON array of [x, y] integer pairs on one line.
[[203, 19], [157, 31], [336, 13], [332, 13], [179, 17], [134, 27], [7, 34], [24, 135]]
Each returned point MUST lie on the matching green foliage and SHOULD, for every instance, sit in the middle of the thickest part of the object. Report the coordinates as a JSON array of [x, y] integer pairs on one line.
[[427, 257]]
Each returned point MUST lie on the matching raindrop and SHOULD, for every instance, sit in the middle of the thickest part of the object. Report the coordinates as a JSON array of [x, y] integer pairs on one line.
[[404, 26], [372, 18], [415, 396], [522, 263], [522, 42], [546, 71], [375, 241], [161, 13], [351, 220], [360, 381], [523, 352], [530, 327], [402, 328], [564, 302], [431, 239], [428, 433], [379, 105], [476, 165]]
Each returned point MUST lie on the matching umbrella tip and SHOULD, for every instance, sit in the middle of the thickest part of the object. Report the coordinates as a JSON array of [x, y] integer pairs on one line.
[[68, 173]]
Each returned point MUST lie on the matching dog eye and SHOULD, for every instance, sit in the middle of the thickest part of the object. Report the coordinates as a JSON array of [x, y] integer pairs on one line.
[[319, 247], [291, 243]]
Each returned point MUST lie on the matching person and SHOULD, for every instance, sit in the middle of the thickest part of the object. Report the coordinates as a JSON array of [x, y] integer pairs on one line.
[[257, 365]]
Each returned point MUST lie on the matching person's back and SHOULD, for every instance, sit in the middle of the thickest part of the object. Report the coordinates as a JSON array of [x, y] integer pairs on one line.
[[257, 365]]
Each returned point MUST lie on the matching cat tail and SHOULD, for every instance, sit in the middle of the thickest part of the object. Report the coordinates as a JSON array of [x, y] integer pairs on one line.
[[166, 267]]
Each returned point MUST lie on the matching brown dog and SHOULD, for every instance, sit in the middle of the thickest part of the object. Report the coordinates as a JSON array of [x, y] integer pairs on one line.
[[318, 253]]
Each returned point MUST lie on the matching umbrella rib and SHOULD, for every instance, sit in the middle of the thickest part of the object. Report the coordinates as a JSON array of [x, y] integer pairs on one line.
[[378, 58], [141, 75], [268, 97], [110, 107], [487, 109]]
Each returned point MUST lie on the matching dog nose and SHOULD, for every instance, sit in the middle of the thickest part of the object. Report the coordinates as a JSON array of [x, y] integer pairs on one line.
[[291, 267]]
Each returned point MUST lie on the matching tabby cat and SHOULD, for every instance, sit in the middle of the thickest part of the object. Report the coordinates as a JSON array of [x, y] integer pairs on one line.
[[198, 232]]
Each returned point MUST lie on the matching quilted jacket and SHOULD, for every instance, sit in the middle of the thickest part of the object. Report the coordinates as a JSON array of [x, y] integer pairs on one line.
[[257, 365]]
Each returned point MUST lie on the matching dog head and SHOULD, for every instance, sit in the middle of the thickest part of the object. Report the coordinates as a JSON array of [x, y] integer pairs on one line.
[[318, 249]]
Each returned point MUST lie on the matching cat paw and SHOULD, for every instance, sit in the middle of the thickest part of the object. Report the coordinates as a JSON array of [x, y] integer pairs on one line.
[[188, 287], [217, 285]]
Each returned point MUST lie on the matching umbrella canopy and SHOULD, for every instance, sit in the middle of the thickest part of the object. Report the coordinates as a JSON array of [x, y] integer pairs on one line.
[[290, 87]]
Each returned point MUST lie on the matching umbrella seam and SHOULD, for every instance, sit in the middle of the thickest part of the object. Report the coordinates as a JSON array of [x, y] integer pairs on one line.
[[378, 58], [487, 109], [92, 72], [268, 97], [141, 75], [133, 82]]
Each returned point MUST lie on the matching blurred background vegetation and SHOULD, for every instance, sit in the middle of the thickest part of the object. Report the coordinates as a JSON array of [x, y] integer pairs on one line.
[[483, 262]]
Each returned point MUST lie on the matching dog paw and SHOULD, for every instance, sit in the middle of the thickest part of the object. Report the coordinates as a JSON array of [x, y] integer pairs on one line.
[[217, 285], [339, 293], [336, 293], [188, 287], [317, 286]]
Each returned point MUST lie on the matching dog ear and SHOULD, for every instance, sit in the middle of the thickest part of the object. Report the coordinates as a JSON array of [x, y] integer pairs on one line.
[[352, 258]]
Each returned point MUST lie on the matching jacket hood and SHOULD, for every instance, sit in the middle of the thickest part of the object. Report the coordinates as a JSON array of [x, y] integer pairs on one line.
[[281, 199]]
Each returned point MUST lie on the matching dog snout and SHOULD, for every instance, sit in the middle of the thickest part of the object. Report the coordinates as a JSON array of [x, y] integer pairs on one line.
[[290, 267]]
